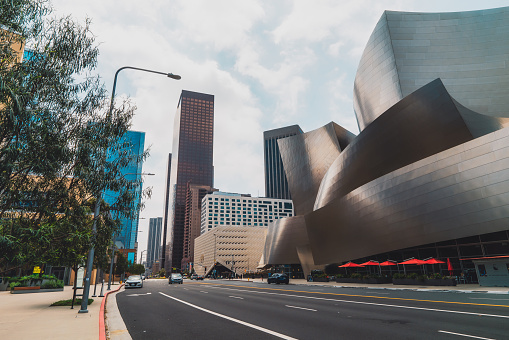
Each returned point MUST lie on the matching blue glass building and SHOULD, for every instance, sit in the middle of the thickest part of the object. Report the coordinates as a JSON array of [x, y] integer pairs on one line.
[[128, 236]]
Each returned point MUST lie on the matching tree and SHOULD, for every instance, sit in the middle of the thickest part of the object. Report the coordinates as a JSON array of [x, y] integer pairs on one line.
[[136, 269], [121, 264], [55, 128]]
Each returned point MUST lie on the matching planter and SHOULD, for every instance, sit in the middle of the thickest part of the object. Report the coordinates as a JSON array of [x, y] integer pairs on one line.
[[25, 290], [414, 282], [440, 282], [370, 280], [320, 279]]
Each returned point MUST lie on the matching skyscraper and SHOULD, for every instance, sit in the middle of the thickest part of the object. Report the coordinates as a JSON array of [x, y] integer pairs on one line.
[[128, 236], [191, 163], [154, 240], [276, 185], [166, 249], [193, 218]]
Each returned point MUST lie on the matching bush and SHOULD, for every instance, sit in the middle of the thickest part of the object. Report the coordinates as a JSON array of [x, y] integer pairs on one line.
[[53, 284], [68, 302], [435, 276], [412, 276], [14, 284], [356, 276], [398, 276]]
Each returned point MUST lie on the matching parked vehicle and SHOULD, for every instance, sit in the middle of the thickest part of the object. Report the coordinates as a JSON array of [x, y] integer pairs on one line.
[[175, 278], [278, 278], [194, 277], [134, 281], [199, 277]]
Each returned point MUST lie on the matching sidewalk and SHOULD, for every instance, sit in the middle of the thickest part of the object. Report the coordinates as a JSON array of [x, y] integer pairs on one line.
[[462, 288], [29, 316]]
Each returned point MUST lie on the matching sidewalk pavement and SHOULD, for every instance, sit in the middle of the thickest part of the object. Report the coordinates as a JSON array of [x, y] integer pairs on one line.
[[29, 316]]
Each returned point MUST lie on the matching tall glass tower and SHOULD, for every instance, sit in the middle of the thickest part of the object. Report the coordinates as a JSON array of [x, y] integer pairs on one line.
[[192, 162], [276, 184], [154, 240], [128, 236]]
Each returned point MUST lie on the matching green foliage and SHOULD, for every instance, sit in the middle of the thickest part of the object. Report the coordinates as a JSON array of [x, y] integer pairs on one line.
[[53, 284], [162, 272], [398, 276], [136, 269], [356, 276], [55, 126], [435, 276], [69, 302], [412, 276], [121, 264], [14, 284]]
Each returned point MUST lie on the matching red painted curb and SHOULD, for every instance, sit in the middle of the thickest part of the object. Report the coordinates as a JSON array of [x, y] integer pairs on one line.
[[102, 326]]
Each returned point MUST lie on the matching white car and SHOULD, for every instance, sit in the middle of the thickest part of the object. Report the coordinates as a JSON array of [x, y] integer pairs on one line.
[[134, 281]]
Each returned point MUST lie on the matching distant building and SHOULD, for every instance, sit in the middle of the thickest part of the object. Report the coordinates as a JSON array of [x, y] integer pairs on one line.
[[154, 240], [221, 208], [228, 249], [192, 157], [128, 236], [166, 248], [192, 223], [276, 185]]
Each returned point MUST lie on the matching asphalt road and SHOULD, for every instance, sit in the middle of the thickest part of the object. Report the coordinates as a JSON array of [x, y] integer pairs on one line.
[[244, 310]]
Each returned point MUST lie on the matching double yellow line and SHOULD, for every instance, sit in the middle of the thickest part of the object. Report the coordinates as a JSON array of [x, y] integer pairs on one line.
[[354, 295]]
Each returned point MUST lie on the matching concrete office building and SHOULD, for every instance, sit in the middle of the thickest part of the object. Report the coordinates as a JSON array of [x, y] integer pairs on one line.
[[428, 173], [234, 248], [154, 241], [192, 156], [276, 185], [192, 223], [221, 209]]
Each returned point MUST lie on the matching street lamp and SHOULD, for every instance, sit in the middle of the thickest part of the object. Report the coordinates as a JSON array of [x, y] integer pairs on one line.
[[90, 261]]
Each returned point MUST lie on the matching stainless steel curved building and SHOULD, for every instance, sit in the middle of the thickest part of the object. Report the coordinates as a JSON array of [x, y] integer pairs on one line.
[[431, 163]]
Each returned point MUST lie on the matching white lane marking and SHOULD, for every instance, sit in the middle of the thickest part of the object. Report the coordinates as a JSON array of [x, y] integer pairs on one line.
[[466, 335], [373, 304], [138, 294], [378, 293], [236, 297], [265, 330], [313, 310], [201, 291], [489, 299]]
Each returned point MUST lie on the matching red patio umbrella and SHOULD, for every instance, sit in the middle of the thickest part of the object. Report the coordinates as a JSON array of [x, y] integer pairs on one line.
[[372, 263], [350, 265], [389, 263], [413, 261], [449, 267], [432, 260]]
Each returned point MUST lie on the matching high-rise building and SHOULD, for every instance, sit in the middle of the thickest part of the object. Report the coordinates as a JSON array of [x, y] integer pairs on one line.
[[224, 209], [154, 240], [276, 185], [166, 249], [128, 236], [192, 222], [192, 156]]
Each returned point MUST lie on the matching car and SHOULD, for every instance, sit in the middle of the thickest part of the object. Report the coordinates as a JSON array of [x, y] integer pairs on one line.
[[175, 278], [134, 281], [199, 277], [278, 278], [194, 277], [143, 277]]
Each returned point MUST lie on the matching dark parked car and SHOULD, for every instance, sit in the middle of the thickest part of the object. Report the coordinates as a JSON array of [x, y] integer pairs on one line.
[[278, 278], [194, 277], [175, 278], [199, 277]]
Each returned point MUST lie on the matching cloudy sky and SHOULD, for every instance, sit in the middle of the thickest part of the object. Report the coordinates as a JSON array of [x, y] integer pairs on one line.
[[268, 63]]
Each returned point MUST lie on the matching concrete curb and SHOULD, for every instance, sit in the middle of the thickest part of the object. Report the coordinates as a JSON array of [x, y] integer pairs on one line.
[[102, 327]]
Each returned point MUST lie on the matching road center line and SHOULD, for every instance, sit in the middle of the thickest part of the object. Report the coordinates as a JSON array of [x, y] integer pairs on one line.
[[313, 310], [201, 291], [466, 335], [265, 330], [372, 303], [236, 297]]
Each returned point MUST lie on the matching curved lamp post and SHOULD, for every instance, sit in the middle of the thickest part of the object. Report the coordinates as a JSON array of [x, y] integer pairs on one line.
[[90, 261]]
